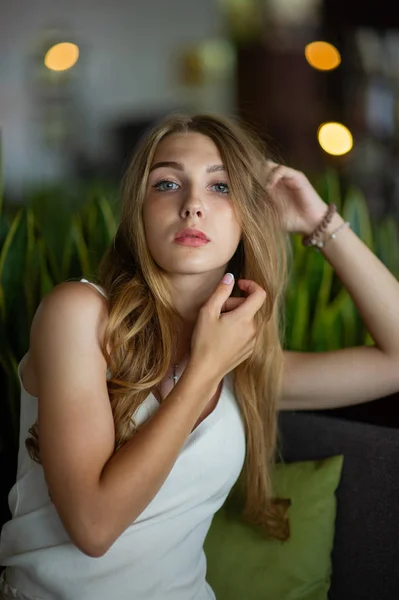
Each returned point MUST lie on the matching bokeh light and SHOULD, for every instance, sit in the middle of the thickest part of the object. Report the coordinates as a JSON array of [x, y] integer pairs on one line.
[[322, 56], [335, 138], [62, 56]]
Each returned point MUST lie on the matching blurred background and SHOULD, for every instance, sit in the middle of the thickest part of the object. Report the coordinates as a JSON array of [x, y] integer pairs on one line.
[[81, 81]]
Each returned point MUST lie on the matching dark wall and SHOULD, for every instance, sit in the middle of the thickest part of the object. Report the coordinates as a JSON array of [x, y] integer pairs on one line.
[[380, 14]]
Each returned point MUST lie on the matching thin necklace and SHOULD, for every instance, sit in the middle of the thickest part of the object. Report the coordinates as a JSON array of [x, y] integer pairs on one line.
[[174, 376]]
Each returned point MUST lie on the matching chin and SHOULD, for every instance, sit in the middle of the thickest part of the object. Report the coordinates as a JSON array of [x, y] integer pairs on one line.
[[191, 264]]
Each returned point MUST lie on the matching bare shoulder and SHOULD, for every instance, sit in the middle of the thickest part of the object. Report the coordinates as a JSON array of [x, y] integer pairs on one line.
[[70, 306], [70, 303], [77, 434], [73, 295]]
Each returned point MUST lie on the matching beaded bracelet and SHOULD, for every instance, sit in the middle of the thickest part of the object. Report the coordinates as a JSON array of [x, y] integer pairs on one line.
[[334, 233], [313, 238], [320, 244]]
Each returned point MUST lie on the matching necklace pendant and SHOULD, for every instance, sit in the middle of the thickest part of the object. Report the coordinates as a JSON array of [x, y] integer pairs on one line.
[[174, 376]]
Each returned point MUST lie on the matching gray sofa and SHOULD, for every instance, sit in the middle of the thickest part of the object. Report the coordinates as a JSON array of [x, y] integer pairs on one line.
[[366, 547]]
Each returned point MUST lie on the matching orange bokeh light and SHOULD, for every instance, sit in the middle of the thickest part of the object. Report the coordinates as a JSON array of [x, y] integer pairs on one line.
[[61, 56], [322, 56]]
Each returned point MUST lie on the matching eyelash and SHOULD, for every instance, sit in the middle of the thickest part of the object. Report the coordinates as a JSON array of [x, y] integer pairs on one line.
[[157, 186]]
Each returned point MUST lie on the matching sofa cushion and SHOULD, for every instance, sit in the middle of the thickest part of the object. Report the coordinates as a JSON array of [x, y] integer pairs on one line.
[[365, 557], [243, 563]]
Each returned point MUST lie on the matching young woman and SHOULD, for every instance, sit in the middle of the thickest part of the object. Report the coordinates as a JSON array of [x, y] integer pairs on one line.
[[150, 392]]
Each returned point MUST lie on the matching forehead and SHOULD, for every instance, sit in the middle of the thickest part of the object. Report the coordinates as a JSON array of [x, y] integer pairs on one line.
[[186, 145]]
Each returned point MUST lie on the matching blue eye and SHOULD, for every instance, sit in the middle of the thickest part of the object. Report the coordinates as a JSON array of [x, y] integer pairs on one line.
[[221, 188], [165, 186]]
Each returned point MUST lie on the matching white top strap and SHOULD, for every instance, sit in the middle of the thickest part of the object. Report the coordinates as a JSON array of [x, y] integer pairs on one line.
[[98, 287]]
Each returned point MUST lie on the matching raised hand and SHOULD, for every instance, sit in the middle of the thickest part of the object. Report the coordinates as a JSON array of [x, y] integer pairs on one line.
[[225, 331]]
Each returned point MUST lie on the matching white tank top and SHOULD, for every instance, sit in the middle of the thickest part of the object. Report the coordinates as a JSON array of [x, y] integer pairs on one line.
[[160, 555]]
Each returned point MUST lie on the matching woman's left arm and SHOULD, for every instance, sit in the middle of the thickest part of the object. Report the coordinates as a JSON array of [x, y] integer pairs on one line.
[[323, 380]]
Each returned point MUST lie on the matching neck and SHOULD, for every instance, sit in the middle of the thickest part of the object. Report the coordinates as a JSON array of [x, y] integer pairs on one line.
[[182, 346], [190, 292]]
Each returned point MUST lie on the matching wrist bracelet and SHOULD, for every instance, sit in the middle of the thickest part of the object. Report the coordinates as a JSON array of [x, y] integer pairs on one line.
[[335, 233], [332, 236], [322, 244], [313, 239]]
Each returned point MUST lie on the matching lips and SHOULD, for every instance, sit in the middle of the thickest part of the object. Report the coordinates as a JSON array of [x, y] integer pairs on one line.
[[191, 233]]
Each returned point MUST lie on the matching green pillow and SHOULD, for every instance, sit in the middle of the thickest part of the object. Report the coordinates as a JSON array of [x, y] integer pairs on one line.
[[242, 563]]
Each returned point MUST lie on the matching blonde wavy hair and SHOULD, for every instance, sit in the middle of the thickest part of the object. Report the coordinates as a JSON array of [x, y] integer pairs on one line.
[[142, 317]]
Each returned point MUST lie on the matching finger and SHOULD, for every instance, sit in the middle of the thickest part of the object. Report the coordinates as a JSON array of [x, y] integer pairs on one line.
[[232, 304], [248, 285], [276, 176], [271, 164], [279, 173], [215, 303], [256, 297], [274, 173]]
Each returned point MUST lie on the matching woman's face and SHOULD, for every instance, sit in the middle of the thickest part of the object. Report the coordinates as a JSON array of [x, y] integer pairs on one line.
[[188, 188]]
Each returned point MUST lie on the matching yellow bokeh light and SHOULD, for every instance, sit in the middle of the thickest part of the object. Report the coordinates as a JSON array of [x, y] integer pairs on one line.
[[61, 56], [335, 138], [322, 56]]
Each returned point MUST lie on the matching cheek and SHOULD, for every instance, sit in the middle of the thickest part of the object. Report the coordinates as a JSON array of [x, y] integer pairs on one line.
[[151, 218], [155, 211], [148, 211], [231, 224], [154, 221], [150, 227]]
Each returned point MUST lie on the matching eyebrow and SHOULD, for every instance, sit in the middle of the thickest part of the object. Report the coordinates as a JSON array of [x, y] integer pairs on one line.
[[180, 167]]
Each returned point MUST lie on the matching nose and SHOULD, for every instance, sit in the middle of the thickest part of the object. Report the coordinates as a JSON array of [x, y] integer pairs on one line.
[[192, 206]]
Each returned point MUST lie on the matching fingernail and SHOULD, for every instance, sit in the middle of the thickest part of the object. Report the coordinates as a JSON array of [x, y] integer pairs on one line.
[[228, 278]]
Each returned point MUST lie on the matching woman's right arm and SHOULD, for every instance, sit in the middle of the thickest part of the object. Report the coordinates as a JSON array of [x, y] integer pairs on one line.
[[99, 493]]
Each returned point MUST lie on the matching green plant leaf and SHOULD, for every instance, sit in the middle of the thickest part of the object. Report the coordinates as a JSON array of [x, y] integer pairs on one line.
[[54, 209], [297, 318], [314, 275], [356, 211], [46, 283], [1, 177], [387, 244], [329, 188], [13, 260], [100, 228], [32, 270], [80, 245], [344, 307]]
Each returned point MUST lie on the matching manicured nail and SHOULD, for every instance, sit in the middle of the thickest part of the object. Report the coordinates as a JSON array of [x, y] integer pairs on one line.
[[228, 278]]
